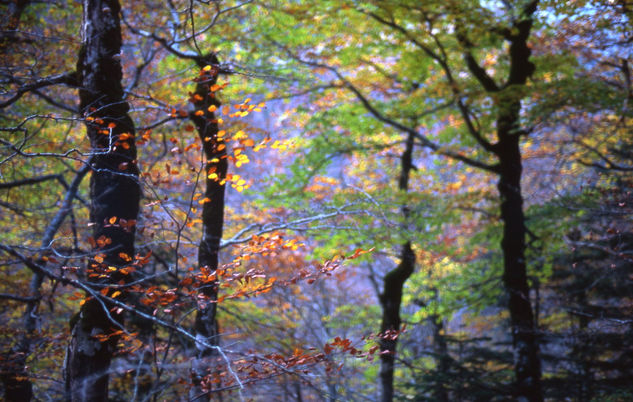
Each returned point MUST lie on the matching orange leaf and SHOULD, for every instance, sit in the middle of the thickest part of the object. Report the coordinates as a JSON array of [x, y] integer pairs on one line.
[[360, 252]]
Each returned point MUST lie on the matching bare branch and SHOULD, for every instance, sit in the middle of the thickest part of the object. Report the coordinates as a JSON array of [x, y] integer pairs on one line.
[[69, 79]]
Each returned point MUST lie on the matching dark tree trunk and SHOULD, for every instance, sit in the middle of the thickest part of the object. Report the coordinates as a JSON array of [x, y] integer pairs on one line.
[[524, 336], [391, 297], [11, 22], [206, 326], [527, 363], [115, 195], [442, 359], [390, 300]]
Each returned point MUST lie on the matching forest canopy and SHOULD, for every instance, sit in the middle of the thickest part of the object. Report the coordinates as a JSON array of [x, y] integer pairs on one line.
[[316, 200]]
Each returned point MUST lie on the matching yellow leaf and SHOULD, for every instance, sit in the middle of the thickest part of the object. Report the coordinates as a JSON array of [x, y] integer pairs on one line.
[[239, 134]]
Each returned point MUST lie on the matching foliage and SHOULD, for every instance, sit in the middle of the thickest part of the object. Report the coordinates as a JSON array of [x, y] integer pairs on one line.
[[316, 102]]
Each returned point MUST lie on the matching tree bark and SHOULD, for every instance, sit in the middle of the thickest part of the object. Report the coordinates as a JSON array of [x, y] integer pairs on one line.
[[391, 297], [508, 97], [524, 333], [115, 194], [524, 337], [216, 166]]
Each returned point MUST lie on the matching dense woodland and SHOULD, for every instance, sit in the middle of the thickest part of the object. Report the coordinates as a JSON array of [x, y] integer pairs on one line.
[[316, 200]]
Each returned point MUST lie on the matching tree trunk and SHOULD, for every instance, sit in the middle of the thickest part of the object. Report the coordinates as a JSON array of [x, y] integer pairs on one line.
[[206, 326], [527, 362], [391, 297], [11, 22], [524, 337], [115, 195], [390, 300], [15, 376], [524, 331], [442, 359]]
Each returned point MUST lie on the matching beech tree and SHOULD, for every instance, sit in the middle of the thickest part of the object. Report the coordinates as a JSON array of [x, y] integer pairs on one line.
[[391, 296], [328, 200], [115, 195], [216, 167], [505, 162]]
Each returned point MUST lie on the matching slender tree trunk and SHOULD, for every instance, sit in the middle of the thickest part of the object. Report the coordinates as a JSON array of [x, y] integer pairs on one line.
[[442, 359], [524, 332], [11, 22], [115, 195], [15, 376], [206, 326], [527, 363], [524, 337], [299, 397], [391, 300], [391, 297]]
